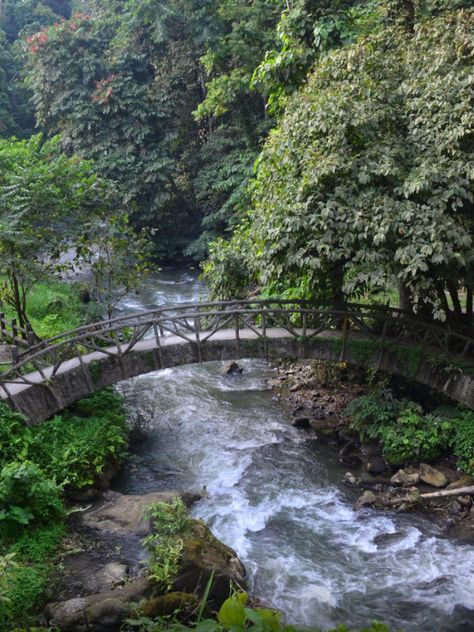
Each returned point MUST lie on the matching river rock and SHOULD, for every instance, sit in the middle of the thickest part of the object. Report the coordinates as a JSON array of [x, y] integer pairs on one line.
[[102, 612], [350, 478], [203, 556], [432, 476], [233, 369], [368, 499], [376, 465], [406, 477], [302, 423], [123, 514], [464, 481]]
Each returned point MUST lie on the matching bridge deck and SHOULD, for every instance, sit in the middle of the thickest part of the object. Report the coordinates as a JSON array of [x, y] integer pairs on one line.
[[52, 374], [148, 344]]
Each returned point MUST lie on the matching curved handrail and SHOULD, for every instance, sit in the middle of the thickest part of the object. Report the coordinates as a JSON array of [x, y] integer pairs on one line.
[[198, 323]]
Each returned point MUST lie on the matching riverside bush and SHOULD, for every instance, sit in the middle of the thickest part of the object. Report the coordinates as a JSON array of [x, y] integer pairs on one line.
[[165, 546], [234, 616], [72, 448], [27, 497], [400, 425], [463, 443]]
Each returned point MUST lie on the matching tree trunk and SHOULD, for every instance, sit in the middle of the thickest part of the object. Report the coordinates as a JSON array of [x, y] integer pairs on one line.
[[405, 301], [402, 12]]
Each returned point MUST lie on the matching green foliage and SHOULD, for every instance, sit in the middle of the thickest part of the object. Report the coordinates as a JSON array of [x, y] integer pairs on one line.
[[236, 616], [463, 443], [53, 307], [26, 594], [8, 575], [405, 432], [27, 498], [371, 141], [39, 545], [47, 202], [165, 545], [73, 449]]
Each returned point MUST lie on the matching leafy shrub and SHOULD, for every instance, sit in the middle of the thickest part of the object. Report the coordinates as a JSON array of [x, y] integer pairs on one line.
[[27, 497], [14, 436], [39, 546], [402, 428], [164, 545], [235, 616], [463, 443], [8, 578], [370, 412], [415, 436], [72, 448], [26, 593]]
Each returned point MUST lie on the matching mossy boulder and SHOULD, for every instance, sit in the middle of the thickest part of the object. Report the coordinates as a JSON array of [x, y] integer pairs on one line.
[[204, 555]]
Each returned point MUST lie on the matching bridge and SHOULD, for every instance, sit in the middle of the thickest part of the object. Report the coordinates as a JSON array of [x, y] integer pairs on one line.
[[47, 376]]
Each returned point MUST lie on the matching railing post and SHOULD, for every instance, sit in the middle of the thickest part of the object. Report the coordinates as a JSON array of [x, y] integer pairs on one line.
[[344, 336], [30, 335], [237, 334], [15, 354], [197, 331], [264, 332], [14, 330]]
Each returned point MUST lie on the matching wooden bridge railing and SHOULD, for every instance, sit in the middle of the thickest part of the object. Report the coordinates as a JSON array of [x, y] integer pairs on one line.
[[199, 323]]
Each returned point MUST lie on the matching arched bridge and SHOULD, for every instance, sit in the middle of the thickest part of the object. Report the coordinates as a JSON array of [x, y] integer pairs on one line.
[[48, 376]]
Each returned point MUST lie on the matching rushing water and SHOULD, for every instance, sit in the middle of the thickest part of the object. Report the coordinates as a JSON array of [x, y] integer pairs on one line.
[[275, 496]]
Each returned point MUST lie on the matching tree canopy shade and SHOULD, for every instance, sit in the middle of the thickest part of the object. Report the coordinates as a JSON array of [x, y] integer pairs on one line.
[[367, 180]]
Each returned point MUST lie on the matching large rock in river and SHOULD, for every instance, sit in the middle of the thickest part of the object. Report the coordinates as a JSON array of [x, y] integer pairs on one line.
[[432, 476], [119, 517]]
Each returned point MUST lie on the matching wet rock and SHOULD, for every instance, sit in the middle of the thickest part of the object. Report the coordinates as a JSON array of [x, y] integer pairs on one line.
[[432, 476], [386, 539], [113, 573], [465, 501], [233, 369], [368, 499], [454, 508], [376, 465], [97, 613], [167, 605], [122, 514], [203, 556], [302, 423], [350, 478], [406, 477], [464, 481]]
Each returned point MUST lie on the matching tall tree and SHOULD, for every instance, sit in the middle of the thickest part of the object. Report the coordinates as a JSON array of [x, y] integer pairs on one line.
[[367, 182]]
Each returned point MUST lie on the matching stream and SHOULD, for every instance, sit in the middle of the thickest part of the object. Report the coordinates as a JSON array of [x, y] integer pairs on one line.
[[274, 494]]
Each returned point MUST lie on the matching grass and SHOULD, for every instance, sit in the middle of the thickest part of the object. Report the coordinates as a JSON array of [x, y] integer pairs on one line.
[[54, 307]]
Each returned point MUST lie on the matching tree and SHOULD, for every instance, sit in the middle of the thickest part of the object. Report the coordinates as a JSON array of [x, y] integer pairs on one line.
[[117, 257], [367, 181], [46, 202], [131, 88]]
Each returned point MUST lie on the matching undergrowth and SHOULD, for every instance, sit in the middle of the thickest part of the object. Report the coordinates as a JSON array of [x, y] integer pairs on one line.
[[407, 433], [54, 307], [39, 465]]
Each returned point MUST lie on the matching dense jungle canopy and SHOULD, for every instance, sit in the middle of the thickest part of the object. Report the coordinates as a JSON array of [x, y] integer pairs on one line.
[[310, 148]]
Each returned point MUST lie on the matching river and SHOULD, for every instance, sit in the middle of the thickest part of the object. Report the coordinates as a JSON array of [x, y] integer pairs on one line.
[[275, 495]]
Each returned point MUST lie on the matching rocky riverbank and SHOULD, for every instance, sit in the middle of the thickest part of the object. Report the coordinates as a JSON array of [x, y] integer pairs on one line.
[[105, 578], [317, 395]]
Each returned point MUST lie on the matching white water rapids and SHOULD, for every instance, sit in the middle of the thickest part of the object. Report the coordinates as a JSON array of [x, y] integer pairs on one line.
[[275, 496]]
